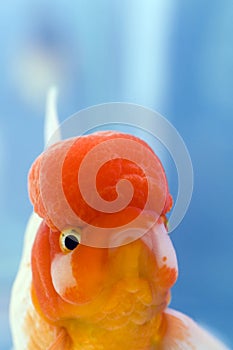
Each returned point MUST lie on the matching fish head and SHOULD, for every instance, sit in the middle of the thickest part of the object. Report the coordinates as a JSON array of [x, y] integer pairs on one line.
[[82, 254]]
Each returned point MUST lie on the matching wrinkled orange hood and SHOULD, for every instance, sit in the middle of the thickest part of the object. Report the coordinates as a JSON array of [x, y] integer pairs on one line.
[[61, 164]]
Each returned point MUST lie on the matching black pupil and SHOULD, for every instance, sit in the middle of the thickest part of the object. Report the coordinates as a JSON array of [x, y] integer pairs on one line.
[[71, 242]]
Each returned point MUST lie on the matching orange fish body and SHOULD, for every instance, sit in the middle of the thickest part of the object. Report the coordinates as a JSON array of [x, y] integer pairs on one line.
[[74, 296]]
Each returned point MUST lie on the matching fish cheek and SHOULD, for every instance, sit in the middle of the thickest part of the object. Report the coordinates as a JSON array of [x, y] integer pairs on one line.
[[89, 268], [44, 296]]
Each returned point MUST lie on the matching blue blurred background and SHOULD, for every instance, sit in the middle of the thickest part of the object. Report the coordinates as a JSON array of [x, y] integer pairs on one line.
[[175, 57]]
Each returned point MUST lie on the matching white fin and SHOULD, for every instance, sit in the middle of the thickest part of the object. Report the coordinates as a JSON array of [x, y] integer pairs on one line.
[[21, 303], [51, 127], [182, 333]]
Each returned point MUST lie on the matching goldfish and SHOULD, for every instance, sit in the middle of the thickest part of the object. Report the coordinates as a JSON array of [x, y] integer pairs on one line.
[[80, 290]]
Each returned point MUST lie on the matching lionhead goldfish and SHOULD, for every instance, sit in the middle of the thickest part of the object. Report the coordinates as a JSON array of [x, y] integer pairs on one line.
[[73, 296]]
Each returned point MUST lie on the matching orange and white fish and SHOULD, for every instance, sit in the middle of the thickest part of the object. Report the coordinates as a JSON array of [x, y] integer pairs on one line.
[[73, 296]]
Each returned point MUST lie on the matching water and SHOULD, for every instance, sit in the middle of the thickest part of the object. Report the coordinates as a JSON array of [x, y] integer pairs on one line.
[[125, 52]]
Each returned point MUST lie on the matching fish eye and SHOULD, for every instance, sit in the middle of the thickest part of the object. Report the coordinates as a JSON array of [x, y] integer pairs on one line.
[[70, 239]]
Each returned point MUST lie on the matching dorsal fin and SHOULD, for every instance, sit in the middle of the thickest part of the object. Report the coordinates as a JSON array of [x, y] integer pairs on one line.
[[51, 117]]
